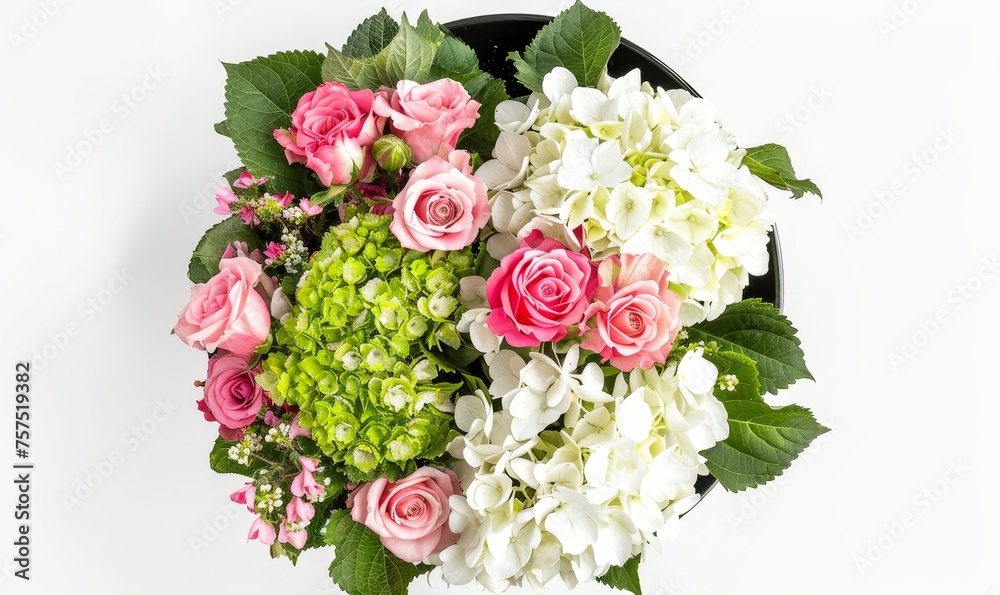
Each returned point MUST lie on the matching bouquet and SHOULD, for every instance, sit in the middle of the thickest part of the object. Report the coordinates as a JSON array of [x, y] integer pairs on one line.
[[503, 337]]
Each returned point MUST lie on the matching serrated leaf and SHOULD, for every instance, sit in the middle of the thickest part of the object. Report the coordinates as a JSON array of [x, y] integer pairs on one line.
[[372, 36], [205, 260], [289, 285], [362, 565], [353, 73], [455, 60], [763, 441], [758, 330], [260, 97], [625, 577], [482, 137], [409, 56], [428, 29], [223, 128], [745, 370], [220, 462], [772, 164], [579, 39]]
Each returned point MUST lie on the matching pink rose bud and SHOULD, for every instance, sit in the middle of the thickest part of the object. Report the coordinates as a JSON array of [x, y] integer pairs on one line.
[[429, 117], [442, 207], [392, 153], [411, 515]]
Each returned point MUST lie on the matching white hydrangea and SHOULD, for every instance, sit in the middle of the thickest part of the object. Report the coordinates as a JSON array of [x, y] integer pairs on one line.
[[573, 494], [642, 170]]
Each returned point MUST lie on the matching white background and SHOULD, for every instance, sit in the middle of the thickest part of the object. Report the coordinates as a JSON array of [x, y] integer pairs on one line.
[[120, 390]]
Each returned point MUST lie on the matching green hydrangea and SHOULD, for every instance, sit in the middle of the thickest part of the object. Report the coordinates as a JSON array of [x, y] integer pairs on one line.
[[359, 354]]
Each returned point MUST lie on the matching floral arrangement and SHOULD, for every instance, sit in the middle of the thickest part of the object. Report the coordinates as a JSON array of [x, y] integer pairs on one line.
[[503, 337]]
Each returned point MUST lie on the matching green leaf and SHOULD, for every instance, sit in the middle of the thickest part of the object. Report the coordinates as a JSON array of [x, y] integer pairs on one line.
[[205, 260], [372, 36], [745, 370], [362, 565], [428, 29], [772, 164], [758, 330], [353, 73], [455, 60], [410, 55], [482, 137], [324, 510], [333, 194], [289, 285], [474, 383], [462, 357], [763, 441], [221, 463], [624, 577], [260, 97], [579, 39], [223, 128]]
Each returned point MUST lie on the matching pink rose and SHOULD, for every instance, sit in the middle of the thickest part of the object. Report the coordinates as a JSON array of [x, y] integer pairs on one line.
[[232, 396], [429, 117], [635, 316], [232, 311], [539, 291], [411, 515], [332, 132], [442, 207]]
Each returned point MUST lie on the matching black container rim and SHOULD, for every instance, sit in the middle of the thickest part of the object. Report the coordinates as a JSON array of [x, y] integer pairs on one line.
[[540, 18]]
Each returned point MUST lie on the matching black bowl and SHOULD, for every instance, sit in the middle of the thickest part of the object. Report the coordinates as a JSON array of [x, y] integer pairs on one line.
[[493, 37]]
